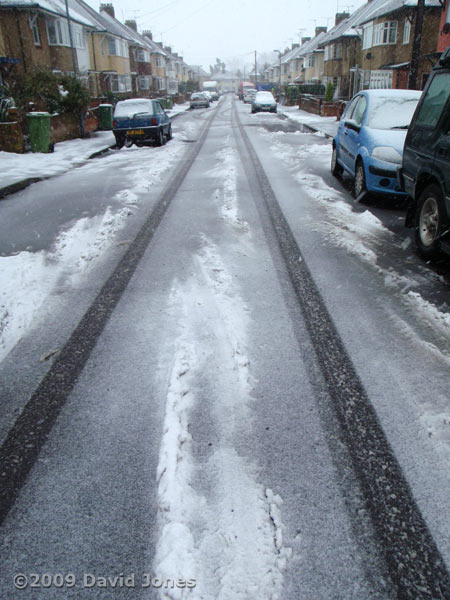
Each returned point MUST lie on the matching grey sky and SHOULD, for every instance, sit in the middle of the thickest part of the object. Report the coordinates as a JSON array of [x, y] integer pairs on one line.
[[203, 30]]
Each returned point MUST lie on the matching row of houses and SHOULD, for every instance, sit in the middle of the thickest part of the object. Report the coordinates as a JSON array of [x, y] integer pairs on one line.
[[370, 48], [72, 38]]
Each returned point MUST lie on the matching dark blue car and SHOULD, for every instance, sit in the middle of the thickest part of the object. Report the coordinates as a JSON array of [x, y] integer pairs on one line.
[[369, 142], [140, 120]]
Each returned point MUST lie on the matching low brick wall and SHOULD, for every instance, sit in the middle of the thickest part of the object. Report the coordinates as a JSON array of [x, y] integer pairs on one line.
[[333, 109], [318, 106], [11, 137], [310, 104], [67, 126]]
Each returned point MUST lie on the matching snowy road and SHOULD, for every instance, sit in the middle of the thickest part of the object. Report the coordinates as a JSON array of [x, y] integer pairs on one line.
[[255, 403]]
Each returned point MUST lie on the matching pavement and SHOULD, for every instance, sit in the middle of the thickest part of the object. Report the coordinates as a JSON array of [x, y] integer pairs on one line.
[[18, 171], [328, 126]]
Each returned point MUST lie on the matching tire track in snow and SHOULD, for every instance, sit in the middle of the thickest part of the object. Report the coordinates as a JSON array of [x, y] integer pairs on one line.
[[416, 567], [230, 538]]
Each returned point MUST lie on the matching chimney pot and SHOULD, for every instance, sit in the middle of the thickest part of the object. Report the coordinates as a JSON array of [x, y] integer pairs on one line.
[[131, 23], [108, 8], [340, 17]]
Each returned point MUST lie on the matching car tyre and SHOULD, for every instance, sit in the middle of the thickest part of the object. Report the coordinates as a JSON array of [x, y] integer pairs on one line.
[[160, 139], [169, 133], [336, 168], [359, 183], [120, 141], [430, 221]]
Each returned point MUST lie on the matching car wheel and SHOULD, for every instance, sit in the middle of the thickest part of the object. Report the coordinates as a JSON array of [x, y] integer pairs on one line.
[[160, 137], [169, 133], [336, 168], [430, 221], [128, 142], [359, 184], [120, 141]]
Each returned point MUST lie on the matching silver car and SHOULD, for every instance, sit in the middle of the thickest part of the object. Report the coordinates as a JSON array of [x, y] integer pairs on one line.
[[264, 101], [199, 100]]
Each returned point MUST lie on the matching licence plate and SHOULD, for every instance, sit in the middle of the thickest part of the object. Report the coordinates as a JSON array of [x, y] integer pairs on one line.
[[135, 132]]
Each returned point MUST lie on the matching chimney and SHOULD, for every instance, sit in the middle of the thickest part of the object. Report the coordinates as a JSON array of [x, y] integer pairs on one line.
[[131, 24], [320, 30], [108, 8], [168, 49], [340, 17], [305, 39], [147, 33], [295, 46]]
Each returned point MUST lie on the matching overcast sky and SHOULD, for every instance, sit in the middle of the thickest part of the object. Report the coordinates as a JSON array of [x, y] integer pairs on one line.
[[203, 30]]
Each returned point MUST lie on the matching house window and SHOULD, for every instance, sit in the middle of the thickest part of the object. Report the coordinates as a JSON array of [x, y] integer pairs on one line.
[[57, 32], [33, 21], [145, 83], [159, 61], [309, 61], [385, 33], [367, 36], [142, 55], [406, 31], [160, 83], [78, 36], [121, 83], [112, 49]]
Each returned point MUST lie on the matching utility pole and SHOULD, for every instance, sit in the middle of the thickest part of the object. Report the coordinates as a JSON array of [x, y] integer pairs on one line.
[[74, 62], [416, 47], [256, 74]]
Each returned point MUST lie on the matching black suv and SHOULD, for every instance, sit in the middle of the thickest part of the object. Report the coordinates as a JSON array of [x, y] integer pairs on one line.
[[425, 172]]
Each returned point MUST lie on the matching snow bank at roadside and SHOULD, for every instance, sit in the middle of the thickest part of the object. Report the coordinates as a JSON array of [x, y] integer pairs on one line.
[[29, 280], [17, 167]]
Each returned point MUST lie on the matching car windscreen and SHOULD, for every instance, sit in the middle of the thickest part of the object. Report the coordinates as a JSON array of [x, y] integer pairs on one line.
[[264, 96], [128, 109], [391, 113]]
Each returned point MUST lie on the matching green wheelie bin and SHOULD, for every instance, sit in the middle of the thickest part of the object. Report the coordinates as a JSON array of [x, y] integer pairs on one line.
[[40, 131]]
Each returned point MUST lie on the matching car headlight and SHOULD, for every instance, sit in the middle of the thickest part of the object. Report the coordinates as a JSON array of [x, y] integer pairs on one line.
[[388, 154]]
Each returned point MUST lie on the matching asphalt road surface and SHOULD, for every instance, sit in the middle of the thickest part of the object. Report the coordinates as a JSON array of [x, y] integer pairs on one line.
[[233, 409]]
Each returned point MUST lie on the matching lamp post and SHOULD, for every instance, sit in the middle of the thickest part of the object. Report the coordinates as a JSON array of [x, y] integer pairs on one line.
[[279, 57]]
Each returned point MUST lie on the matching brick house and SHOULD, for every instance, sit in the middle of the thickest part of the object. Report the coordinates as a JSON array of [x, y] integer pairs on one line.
[[34, 34], [444, 28], [372, 47], [311, 56], [387, 40]]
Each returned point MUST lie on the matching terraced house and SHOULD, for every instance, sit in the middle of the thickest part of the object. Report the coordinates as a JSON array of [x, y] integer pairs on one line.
[[372, 48], [36, 33]]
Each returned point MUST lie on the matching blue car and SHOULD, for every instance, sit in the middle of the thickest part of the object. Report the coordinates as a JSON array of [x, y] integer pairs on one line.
[[369, 142], [140, 120]]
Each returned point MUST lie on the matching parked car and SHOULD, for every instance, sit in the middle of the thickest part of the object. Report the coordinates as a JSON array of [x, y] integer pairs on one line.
[[370, 138], [139, 120], [264, 101], [199, 100], [249, 95], [425, 171]]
